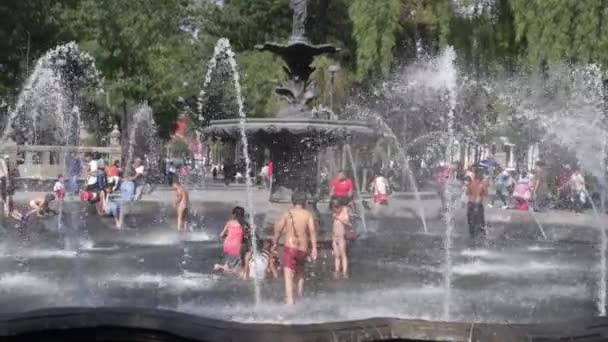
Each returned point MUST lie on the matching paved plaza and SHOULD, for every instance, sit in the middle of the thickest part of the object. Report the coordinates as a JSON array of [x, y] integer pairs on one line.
[[517, 275]]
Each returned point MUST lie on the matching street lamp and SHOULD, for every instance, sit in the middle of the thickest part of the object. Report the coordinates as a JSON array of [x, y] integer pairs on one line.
[[333, 69]]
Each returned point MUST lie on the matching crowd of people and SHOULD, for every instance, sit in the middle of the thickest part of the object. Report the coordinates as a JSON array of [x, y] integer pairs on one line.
[[518, 190], [297, 229], [107, 187]]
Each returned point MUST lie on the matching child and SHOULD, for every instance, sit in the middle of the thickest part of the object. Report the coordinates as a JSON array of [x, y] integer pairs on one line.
[[59, 188], [341, 223], [522, 193], [111, 207], [114, 175], [261, 264], [40, 206], [182, 203], [232, 234]]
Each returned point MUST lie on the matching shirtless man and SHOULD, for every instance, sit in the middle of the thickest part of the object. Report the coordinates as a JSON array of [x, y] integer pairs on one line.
[[182, 203], [298, 226], [476, 191]]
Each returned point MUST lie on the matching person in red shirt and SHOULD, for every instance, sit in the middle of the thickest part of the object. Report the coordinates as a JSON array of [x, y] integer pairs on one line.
[[341, 188]]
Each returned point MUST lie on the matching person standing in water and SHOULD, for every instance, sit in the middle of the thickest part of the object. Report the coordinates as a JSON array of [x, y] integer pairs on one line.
[[477, 191], [341, 222], [233, 234], [182, 204], [298, 227]]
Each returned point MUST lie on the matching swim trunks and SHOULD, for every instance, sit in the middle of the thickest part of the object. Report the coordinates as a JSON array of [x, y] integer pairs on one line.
[[294, 259]]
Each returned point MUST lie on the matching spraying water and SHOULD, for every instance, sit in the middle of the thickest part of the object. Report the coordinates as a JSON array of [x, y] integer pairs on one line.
[[410, 174], [601, 289], [566, 103], [48, 96], [223, 50], [446, 63], [360, 207], [142, 135]]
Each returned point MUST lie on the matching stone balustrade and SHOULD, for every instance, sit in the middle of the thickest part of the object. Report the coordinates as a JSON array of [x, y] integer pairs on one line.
[[47, 161]]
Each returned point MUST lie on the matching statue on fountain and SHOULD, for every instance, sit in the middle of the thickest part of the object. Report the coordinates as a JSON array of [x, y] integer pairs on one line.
[[299, 8], [295, 135]]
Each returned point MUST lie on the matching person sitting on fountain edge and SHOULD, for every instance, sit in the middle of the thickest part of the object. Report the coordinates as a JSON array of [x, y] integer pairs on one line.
[[298, 226], [341, 187]]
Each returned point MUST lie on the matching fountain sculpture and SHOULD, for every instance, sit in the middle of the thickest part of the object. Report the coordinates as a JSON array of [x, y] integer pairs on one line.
[[295, 135]]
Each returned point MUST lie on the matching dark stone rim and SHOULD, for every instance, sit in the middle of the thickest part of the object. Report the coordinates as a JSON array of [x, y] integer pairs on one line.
[[201, 328]]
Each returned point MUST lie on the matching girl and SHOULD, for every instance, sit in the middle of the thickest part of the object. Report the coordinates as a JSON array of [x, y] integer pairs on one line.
[[59, 188], [341, 223], [522, 192], [233, 234]]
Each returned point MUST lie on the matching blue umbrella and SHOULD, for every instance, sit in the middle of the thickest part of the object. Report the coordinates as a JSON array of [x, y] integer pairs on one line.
[[489, 162]]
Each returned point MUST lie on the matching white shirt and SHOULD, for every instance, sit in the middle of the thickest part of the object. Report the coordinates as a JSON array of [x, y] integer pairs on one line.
[[578, 181], [92, 179], [380, 186], [58, 186], [93, 166], [139, 170], [257, 266], [3, 168], [264, 171]]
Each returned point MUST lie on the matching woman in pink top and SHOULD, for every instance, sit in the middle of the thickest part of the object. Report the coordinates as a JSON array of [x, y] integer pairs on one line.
[[233, 234]]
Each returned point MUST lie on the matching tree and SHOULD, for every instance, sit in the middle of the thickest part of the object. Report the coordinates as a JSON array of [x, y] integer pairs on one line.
[[141, 52], [375, 28], [557, 31]]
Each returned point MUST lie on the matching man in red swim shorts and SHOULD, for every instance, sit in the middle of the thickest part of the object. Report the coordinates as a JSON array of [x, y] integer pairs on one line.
[[298, 228]]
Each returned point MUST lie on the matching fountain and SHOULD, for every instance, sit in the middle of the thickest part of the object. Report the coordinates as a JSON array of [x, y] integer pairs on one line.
[[294, 136], [48, 98], [143, 141], [567, 103]]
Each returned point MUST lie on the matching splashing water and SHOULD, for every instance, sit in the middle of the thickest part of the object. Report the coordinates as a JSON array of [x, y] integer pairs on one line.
[[601, 289], [446, 67], [566, 103], [358, 202], [410, 174], [142, 135], [224, 50], [48, 96]]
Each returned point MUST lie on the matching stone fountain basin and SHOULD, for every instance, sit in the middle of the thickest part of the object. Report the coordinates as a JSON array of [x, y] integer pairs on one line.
[[320, 128], [138, 324], [515, 280]]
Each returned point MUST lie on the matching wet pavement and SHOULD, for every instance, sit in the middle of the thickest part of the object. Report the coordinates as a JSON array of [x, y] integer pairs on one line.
[[397, 269]]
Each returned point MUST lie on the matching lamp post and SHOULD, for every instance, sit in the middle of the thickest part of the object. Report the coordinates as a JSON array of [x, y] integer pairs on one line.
[[333, 69]]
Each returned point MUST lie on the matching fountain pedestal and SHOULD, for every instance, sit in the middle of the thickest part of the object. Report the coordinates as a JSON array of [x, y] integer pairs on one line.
[[294, 146]]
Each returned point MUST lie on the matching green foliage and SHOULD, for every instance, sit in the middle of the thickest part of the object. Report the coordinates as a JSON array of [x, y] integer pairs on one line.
[[260, 74], [556, 31], [375, 28], [143, 55]]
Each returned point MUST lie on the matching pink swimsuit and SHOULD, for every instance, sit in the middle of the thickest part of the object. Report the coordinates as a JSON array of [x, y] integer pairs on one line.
[[234, 239]]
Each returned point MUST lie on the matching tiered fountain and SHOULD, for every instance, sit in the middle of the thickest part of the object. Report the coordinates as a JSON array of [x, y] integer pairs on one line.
[[294, 136]]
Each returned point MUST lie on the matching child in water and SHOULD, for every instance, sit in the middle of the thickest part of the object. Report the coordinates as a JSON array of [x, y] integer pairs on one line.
[[233, 234], [341, 223], [182, 203], [59, 188], [261, 264], [40, 206]]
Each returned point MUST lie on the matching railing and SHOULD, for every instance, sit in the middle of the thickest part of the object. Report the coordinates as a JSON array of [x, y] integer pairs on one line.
[[46, 162]]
